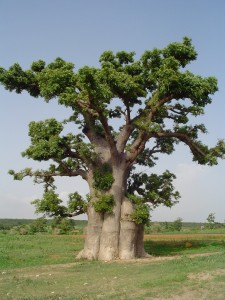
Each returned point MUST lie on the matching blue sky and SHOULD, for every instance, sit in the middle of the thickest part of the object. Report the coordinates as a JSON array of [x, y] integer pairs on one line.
[[79, 31]]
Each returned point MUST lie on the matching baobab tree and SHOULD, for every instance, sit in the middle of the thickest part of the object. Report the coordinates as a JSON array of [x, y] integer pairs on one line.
[[127, 112]]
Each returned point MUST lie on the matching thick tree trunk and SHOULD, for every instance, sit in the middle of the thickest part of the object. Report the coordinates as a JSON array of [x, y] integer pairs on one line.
[[128, 232], [140, 250], [113, 235], [94, 227], [93, 235], [131, 234], [109, 244]]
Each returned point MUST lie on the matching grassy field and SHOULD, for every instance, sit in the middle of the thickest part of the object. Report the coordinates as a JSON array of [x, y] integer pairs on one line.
[[44, 267]]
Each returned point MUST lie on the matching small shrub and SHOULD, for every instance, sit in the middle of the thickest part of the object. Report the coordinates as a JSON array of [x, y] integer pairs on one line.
[[38, 225], [62, 225]]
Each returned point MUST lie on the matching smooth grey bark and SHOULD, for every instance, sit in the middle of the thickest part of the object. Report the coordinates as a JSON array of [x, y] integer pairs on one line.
[[93, 235], [113, 235], [128, 232], [109, 244], [140, 250]]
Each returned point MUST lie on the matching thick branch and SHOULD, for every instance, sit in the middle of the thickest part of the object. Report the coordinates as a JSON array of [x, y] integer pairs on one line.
[[123, 137], [108, 134], [85, 107], [138, 146], [90, 114], [151, 107], [79, 172], [195, 149], [89, 131], [74, 214], [48, 174]]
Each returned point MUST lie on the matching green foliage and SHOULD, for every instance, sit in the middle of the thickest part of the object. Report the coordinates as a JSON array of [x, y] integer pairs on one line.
[[182, 52], [155, 96], [63, 225], [20, 175], [155, 227], [104, 204], [177, 224], [38, 66], [56, 78], [17, 79], [38, 225], [141, 213], [50, 204], [45, 140], [211, 219], [10, 223], [154, 189], [103, 177], [76, 203]]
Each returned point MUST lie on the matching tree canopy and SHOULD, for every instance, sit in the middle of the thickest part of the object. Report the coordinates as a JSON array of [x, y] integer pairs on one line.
[[127, 111]]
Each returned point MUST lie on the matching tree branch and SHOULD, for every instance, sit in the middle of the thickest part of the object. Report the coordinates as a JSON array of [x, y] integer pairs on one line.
[[137, 147], [195, 149], [139, 144], [79, 172], [77, 213], [47, 174], [123, 137]]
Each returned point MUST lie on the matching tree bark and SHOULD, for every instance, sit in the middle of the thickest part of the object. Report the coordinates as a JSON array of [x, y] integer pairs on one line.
[[128, 232], [131, 234], [109, 244], [93, 234], [113, 235], [140, 250], [94, 227]]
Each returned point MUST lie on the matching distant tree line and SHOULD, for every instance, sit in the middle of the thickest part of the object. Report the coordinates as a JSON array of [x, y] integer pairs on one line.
[[157, 227], [60, 225], [42, 225]]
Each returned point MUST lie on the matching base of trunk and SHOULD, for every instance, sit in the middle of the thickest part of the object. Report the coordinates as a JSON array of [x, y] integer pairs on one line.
[[115, 235], [105, 248]]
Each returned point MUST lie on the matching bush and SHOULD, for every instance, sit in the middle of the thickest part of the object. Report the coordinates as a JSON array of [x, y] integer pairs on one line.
[[38, 225], [62, 225]]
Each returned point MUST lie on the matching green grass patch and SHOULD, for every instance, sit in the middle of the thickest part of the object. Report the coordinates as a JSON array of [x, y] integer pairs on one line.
[[118, 280], [168, 247], [35, 250], [43, 267]]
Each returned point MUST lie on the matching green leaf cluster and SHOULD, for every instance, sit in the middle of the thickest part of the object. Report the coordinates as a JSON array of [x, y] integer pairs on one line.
[[154, 189], [76, 203], [51, 205], [15, 79], [103, 177], [141, 213], [104, 204], [56, 78]]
